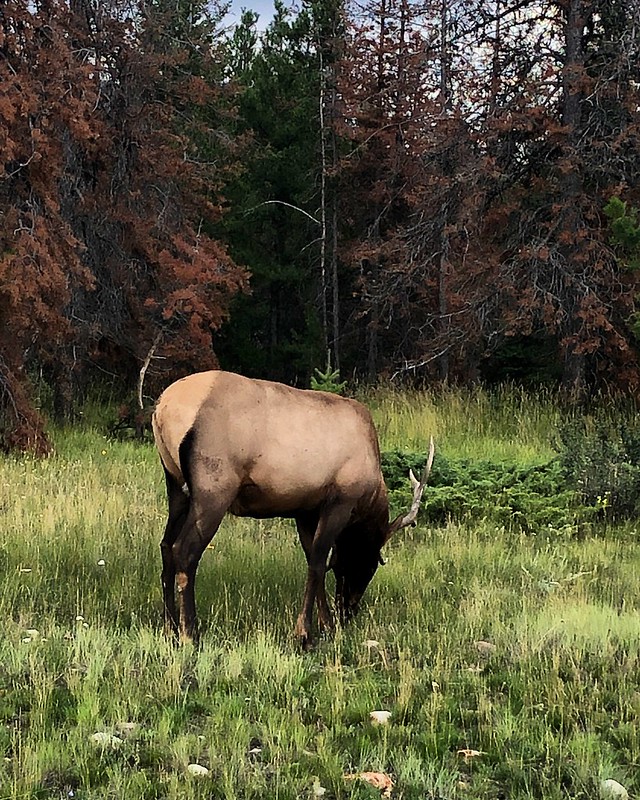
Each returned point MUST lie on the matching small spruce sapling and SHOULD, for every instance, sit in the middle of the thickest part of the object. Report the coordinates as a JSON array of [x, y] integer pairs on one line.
[[328, 381]]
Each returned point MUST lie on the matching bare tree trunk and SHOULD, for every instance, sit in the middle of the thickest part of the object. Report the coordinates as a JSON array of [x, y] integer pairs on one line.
[[573, 375], [573, 379], [372, 346], [328, 46], [445, 101], [373, 310], [444, 57], [443, 304], [323, 207], [145, 367], [495, 62], [334, 278], [335, 286]]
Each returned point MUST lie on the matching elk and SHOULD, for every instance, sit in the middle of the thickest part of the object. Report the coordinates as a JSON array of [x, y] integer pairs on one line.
[[261, 449]]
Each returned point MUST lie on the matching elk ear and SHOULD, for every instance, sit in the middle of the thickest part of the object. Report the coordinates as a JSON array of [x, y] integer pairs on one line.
[[381, 560]]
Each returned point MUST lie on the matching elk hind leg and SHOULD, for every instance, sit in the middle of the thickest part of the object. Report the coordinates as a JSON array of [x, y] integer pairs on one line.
[[178, 510], [202, 522]]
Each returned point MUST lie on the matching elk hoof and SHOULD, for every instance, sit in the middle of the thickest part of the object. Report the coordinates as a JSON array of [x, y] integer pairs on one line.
[[303, 634], [171, 633], [187, 638], [306, 643], [326, 624]]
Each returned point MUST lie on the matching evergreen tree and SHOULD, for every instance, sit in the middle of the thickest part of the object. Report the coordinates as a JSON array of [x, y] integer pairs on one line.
[[274, 225]]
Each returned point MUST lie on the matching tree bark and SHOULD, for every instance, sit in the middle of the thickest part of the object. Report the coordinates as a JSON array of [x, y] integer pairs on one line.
[[574, 367]]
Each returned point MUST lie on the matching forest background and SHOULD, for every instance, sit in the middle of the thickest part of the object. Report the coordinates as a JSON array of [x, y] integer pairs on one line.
[[431, 191]]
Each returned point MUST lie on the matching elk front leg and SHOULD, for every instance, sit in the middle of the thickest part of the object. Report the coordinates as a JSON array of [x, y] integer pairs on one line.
[[331, 521], [307, 525]]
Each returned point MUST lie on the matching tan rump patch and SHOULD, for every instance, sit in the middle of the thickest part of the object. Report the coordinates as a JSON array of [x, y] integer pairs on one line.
[[175, 414]]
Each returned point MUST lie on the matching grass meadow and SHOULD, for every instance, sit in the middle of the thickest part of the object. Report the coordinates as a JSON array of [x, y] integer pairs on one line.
[[509, 663]]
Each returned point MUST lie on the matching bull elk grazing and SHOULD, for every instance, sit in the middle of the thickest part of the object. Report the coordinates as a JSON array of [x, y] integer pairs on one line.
[[261, 449]]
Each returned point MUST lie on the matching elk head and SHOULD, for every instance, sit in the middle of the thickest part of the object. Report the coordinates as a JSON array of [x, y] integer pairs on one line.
[[357, 552]]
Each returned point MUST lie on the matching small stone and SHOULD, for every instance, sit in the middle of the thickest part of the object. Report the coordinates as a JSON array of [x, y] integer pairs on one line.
[[127, 728], [198, 770], [104, 739], [485, 649], [612, 790], [318, 789]]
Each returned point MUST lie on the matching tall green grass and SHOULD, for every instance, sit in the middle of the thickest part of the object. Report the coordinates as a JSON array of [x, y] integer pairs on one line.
[[507, 424], [523, 649]]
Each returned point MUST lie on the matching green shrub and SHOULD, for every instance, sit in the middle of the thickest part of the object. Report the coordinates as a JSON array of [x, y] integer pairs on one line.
[[624, 231], [594, 478], [529, 498], [601, 458]]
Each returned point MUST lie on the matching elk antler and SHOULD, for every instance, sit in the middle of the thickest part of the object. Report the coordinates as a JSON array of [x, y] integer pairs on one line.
[[418, 488]]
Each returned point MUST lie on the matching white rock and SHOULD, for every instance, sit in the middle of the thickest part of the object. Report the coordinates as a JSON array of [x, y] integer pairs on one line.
[[612, 790], [104, 739], [318, 788], [198, 770], [380, 717], [485, 648]]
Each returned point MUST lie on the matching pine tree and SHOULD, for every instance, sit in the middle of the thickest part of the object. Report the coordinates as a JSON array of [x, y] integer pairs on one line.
[[275, 223]]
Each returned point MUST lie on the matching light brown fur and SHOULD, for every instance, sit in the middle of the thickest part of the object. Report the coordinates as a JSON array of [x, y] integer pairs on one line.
[[291, 446]]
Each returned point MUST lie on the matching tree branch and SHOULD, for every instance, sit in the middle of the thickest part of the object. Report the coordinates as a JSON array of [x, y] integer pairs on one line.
[[145, 367], [282, 203]]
